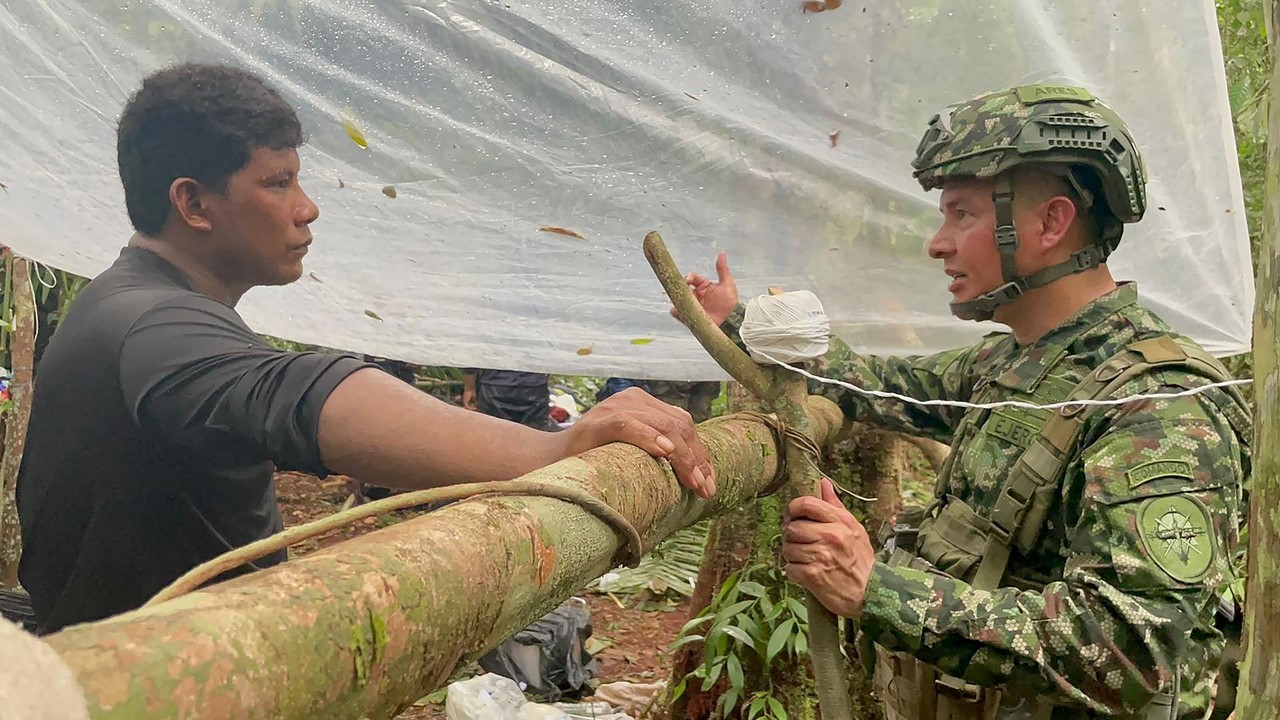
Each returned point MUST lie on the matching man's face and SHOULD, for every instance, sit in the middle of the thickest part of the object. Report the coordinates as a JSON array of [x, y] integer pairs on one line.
[[262, 224], [965, 242]]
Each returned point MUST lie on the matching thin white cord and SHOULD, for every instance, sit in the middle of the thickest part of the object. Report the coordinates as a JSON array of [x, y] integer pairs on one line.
[[36, 267], [1004, 403]]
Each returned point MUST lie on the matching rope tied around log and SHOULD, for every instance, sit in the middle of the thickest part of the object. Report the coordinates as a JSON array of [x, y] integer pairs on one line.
[[792, 440], [633, 547]]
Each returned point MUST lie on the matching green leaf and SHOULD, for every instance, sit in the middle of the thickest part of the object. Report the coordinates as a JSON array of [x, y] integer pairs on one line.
[[798, 608], [685, 641], [778, 639], [733, 610], [641, 341], [779, 712], [736, 679], [757, 706], [775, 612], [678, 690], [1236, 96], [714, 675], [696, 622], [802, 644], [740, 635], [729, 700], [754, 589], [746, 623]]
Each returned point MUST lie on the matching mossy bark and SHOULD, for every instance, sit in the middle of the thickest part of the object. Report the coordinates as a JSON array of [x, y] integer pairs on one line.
[[1259, 694], [22, 356], [367, 626]]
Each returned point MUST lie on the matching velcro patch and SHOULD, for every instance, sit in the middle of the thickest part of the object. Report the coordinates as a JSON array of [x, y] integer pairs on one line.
[[1032, 94], [1177, 534], [1157, 469], [1011, 429]]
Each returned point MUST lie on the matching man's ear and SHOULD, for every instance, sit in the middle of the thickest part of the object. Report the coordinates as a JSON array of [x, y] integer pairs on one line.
[[189, 200], [1058, 215]]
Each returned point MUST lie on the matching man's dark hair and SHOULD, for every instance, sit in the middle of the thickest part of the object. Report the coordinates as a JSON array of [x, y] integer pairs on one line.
[[196, 121]]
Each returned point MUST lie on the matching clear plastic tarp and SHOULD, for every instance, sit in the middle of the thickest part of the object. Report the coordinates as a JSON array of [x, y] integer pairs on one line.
[[781, 136]]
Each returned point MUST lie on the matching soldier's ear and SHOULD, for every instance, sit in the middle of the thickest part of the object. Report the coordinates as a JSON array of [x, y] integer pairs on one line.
[[1056, 218]]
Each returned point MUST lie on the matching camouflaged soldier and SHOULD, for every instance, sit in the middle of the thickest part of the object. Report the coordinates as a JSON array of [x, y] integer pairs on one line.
[[1073, 562]]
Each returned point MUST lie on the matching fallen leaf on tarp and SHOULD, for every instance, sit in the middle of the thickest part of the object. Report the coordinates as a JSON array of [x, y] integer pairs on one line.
[[341, 184], [372, 314], [354, 133], [817, 6], [560, 231], [313, 277], [641, 341], [834, 137], [584, 351], [389, 191]]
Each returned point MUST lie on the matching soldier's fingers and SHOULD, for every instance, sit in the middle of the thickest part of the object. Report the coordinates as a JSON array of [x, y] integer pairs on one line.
[[803, 574], [812, 508], [803, 531]]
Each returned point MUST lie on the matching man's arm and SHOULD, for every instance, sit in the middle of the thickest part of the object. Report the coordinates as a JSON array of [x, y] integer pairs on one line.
[[197, 377], [943, 376], [1159, 499], [382, 431]]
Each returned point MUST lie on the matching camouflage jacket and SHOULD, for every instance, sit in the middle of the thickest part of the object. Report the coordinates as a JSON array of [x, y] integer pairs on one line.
[[1108, 607]]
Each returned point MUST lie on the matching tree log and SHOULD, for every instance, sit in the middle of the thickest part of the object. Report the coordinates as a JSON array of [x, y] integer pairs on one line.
[[22, 355], [1259, 694], [367, 626]]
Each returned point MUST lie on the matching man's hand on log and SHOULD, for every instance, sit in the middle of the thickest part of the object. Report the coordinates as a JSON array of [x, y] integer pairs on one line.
[[666, 431], [828, 551], [718, 297]]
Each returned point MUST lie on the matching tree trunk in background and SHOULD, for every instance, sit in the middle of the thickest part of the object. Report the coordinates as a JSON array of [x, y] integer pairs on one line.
[[22, 356], [1259, 694]]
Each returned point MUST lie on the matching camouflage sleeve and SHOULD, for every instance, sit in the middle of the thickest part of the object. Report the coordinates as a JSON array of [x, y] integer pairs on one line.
[[1151, 510], [945, 376]]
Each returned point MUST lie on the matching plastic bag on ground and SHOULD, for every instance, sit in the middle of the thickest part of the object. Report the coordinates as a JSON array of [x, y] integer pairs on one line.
[[486, 697], [548, 658], [629, 697]]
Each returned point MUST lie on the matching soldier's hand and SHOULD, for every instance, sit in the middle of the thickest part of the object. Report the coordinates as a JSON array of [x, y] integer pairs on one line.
[[718, 297], [828, 551], [634, 416]]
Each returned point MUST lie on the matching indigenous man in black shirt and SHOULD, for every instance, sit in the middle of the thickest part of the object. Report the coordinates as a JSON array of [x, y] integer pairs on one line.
[[159, 416]]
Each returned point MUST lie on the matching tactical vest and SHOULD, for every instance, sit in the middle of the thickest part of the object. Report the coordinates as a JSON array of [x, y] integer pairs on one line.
[[956, 541]]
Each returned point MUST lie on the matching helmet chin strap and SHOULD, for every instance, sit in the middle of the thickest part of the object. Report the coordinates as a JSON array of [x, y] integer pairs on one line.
[[1014, 286]]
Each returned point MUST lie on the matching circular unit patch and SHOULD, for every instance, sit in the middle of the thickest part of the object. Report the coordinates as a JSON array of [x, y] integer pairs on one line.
[[1177, 533]]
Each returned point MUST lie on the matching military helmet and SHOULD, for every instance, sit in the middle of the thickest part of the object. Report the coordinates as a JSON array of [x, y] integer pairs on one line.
[[1063, 129], [1052, 124]]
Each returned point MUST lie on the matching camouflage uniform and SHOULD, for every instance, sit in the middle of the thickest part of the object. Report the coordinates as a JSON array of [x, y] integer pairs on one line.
[[1102, 611], [1108, 608]]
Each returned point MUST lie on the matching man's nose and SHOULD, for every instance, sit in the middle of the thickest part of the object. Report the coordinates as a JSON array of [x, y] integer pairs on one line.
[[940, 245]]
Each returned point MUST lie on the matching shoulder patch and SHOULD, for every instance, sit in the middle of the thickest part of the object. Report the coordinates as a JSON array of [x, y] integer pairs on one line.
[[1176, 532], [1156, 469]]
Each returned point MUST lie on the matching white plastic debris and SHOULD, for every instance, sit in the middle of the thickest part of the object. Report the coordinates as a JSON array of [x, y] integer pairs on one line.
[[486, 697], [534, 711]]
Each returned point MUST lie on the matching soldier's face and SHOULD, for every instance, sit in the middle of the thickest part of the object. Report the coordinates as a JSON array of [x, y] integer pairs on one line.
[[965, 242]]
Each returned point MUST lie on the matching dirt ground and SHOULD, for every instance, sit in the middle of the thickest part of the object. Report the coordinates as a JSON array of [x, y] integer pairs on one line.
[[630, 636]]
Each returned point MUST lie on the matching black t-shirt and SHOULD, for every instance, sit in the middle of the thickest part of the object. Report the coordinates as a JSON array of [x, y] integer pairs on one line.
[[157, 420]]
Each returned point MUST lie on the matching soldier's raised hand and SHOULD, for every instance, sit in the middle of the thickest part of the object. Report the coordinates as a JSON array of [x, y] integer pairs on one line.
[[718, 297]]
